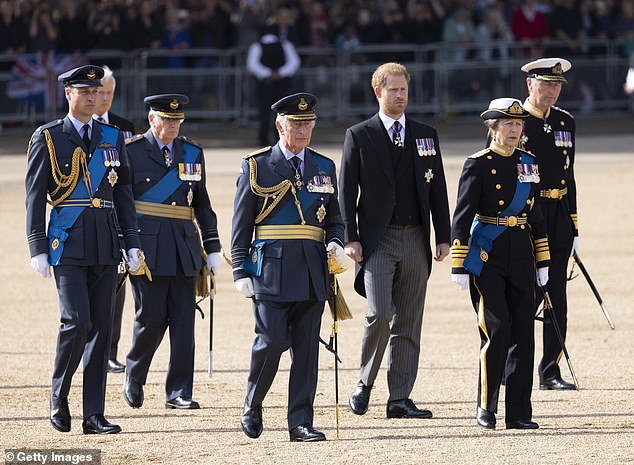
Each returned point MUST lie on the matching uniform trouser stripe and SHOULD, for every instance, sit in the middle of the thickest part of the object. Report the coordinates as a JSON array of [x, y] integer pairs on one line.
[[484, 385]]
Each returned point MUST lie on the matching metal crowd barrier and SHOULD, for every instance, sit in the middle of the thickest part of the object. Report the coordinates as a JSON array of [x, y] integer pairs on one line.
[[447, 81]]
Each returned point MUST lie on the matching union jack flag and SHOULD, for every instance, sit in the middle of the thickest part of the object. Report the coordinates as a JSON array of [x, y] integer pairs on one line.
[[34, 79]]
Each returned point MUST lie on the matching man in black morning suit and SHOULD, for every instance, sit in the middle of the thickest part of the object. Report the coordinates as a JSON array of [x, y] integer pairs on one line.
[[169, 183], [287, 198], [83, 167], [392, 164], [549, 133], [105, 95]]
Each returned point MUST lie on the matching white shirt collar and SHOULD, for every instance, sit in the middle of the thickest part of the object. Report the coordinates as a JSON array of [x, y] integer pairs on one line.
[[288, 154], [78, 125], [388, 122], [105, 117]]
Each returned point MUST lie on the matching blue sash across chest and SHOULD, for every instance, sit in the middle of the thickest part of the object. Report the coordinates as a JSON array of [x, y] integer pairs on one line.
[[483, 235], [63, 218], [170, 182]]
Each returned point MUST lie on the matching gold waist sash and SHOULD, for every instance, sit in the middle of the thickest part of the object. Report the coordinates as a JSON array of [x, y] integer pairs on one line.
[[165, 211], [289, 231]]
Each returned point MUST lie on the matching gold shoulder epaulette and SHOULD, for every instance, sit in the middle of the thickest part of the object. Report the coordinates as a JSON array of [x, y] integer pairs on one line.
[[190, 141], [563, 111], [133, 138], [480, 153], [257, 152]]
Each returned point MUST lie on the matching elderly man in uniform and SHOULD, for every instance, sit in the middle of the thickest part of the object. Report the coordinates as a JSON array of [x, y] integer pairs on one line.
[[105, 94], [83, 167], [287, 196], [549, 133], [169, 184]]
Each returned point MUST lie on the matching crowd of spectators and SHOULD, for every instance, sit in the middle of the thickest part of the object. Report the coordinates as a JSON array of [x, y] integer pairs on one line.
[[68, 26]]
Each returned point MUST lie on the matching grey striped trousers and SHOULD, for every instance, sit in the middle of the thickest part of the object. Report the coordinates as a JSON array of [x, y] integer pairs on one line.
[[395, 277]]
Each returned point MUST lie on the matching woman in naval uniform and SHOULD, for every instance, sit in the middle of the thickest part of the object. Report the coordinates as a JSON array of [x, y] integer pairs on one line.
[[499, 247]]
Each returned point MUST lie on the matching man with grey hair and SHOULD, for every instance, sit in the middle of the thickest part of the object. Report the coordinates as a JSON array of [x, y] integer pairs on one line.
[[105, 95], [287, 196]]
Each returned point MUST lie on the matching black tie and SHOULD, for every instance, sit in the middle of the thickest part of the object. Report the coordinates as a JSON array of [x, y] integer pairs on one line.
[[166, 156], [85, 137], [298, 172], [396, 134]]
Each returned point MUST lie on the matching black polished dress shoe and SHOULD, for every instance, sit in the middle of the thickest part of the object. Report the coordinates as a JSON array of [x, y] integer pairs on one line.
[[132, 392], [114, 366], [97, 424], [251, 421], [485, 418], [556, 384], [182, 403], [405, 408], [360, 399], [306, 433], [521, 424], [60, 414]]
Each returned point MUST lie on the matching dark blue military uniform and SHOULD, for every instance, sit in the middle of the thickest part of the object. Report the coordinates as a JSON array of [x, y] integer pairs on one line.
[[551, 137], [499, 237], [502, 294], [293, 282], [86, 269], [172, 249]]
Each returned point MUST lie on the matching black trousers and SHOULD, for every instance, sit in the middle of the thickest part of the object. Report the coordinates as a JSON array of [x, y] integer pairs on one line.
[[117, 315], [556, 287], [280, 326], [85, 301], [503, 297], [269, 91], [165, 302]]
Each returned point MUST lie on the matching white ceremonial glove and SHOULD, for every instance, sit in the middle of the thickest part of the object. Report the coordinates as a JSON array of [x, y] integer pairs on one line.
[[245, 286], [542, 276], [575, 246], [40, 264], [134, 263], [340, 254], [462, 280], [214, 260]]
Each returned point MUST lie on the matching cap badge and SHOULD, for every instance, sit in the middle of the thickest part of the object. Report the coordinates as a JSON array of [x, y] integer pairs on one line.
[[302, 105], [557, 69], [92, 74], [174, 104], [515, 109]]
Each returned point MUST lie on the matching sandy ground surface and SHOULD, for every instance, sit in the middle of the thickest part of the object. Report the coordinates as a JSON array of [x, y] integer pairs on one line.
[[594, 425]]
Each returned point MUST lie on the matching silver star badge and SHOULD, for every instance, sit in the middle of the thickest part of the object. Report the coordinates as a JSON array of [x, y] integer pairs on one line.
[[547, 128], [112, 177], [429, 175]]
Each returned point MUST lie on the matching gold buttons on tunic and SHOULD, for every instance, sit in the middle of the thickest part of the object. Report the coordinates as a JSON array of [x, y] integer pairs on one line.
[[565, 152], [493, 171], [501, 202], [522, 226], [173, 203], [563, 181], [524, 214], [147, 179], [489, 157], [498, 186]]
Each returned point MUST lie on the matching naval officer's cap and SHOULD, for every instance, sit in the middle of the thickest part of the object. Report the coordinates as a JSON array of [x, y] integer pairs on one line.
[[297, 107], [548, 69], [168, 106], [84, 76], [504, 108]]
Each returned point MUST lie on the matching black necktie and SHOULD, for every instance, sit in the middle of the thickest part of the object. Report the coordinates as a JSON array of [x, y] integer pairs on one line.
[[166, 156], [298, 171], [85, 137], [396, 134]]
